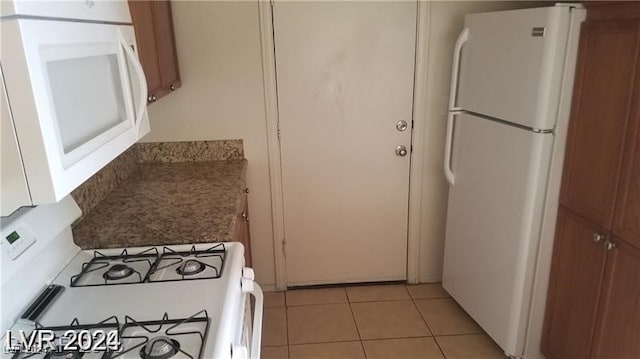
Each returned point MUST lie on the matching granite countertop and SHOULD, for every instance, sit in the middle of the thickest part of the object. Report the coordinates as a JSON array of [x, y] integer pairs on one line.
[[167, 203]]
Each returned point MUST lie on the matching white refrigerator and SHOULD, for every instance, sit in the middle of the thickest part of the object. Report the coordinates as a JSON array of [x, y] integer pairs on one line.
[[510, 94]]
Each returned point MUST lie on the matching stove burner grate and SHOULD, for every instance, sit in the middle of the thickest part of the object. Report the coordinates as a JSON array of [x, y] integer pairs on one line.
[[163, 339], [186, 264], [117, 268], [144, 266]]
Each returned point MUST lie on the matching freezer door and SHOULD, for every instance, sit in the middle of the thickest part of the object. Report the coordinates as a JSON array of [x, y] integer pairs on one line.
[[512, 64], [493, 224]]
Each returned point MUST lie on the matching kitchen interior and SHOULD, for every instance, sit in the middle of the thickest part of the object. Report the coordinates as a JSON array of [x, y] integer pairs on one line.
[[320, 179]]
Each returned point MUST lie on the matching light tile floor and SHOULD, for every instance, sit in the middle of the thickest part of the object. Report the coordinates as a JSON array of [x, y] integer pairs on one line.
[[371, 322]]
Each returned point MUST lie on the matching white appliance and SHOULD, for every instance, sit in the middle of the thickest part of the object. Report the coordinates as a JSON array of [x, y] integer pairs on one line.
[[510, 95], [73, 97], [162, 302]]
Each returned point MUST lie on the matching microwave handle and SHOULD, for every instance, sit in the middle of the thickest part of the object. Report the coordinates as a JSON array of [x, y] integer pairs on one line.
[[142, 85]]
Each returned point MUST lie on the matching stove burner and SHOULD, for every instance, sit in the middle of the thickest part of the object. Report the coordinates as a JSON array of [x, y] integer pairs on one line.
[[190, 267], [118, 271], [160, 348], [60, 353]]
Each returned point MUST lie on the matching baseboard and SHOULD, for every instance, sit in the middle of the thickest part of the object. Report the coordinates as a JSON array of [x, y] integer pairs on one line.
[[268, 288], [430, 279]]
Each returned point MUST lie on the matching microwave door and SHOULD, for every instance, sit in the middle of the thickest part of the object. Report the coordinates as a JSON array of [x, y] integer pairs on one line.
[[86, 113]]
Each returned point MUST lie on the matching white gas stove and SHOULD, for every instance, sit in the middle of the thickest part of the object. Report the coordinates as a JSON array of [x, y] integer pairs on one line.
[[161, 302]]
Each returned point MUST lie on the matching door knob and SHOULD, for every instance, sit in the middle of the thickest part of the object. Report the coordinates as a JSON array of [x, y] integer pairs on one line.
[[608, 245], [401, 151], [597, 237], [401, 125]]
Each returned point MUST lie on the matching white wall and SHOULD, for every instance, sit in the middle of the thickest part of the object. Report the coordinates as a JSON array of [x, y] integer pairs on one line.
[[221, 97], [445, 23]]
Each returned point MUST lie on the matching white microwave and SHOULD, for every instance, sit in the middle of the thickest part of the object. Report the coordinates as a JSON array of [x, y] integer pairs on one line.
[[74, 96]]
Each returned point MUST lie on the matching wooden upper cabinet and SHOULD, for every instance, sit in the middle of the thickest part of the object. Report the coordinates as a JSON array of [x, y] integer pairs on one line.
[[574, 288], [626, 223], [618, 334], [165, 40], [147, 50], [153, 24], [602, 103]]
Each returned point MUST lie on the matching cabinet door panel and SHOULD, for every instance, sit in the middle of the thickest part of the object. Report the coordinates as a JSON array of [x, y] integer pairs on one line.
[[574, 288], [618, 333], [167, 59], [245, 236], [143, 23], [626, 223], [601, 107], [241, 231]]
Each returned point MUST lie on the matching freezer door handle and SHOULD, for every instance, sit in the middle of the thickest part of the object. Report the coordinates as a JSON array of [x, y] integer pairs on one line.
[[448, 173], [455, 71]]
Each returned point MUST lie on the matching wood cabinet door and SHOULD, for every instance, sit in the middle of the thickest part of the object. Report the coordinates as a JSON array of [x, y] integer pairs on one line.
[[618, 334], [602, 104], [626, 224], [143, 23], [574, 288], [245, 236], [165, 43], [241, 231]]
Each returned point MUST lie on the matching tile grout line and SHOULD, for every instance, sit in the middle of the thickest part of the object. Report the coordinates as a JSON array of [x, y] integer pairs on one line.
[[364, 352], [323, 342], [286, 318], [413, 300], [356, 302], [460, 335], [353, 316], [435, 340], [435, 337]]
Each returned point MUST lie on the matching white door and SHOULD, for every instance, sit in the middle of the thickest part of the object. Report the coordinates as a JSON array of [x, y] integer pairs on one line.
[[345, 79]]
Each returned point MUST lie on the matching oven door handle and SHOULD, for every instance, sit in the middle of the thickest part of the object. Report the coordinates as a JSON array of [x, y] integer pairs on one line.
[[251, 287]]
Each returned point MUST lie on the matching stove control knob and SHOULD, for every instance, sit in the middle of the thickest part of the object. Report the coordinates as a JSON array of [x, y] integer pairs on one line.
[[248, 273], [246, 285], [239, 351]]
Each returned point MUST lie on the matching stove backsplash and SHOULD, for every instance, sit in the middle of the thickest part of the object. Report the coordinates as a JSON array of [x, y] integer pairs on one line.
[[189, 151], [96, 188]]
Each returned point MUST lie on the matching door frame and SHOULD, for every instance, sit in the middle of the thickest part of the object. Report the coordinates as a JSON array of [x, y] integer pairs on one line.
[[267, 44]]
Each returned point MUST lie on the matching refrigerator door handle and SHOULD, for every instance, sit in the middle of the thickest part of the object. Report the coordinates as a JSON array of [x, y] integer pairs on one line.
[[455, 71], [448, 173]]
